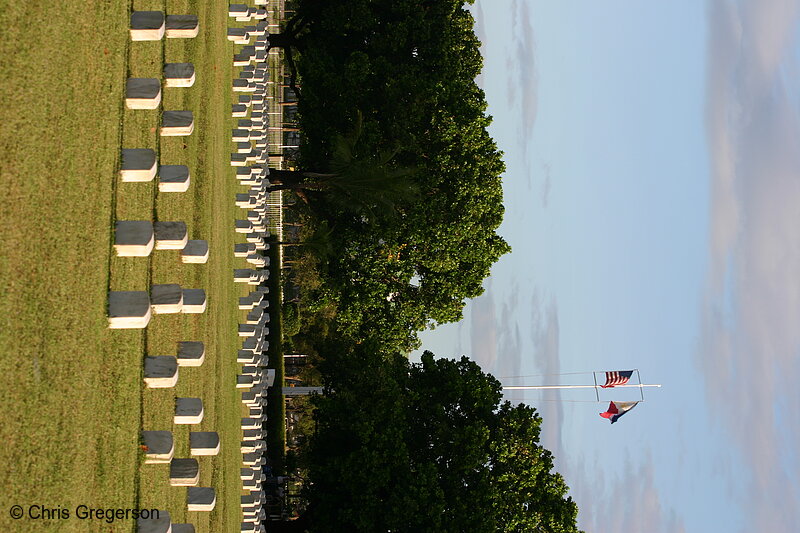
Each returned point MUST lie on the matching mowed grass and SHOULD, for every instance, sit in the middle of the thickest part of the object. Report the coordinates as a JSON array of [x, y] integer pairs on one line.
[[70, 415], [73, 397]]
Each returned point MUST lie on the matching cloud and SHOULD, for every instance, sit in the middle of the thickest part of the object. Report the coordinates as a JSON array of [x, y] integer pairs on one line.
[[606, 513], [543, 336], [483, 329], [521, 66], [546, 185], [751, 310], [480, 33]]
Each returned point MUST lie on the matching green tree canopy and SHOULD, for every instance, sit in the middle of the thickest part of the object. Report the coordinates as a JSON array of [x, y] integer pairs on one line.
[[403, 71], [428, 447]]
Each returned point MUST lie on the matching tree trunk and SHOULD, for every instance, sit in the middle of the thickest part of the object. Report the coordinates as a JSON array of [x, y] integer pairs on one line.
[[281, 40], [285, 177], [293, 526]]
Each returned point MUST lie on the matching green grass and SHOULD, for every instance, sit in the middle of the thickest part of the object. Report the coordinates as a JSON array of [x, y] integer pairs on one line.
[[73, 400], [70, 418]]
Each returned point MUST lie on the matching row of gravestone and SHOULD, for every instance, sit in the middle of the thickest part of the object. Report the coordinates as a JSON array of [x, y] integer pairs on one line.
[[138, 238], [250, 159]]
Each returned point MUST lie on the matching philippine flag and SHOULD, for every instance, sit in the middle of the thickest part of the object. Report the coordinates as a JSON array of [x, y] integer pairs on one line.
[[617, 409]]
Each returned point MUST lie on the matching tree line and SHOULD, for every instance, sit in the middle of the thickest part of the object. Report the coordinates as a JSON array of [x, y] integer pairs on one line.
[[400, 194]]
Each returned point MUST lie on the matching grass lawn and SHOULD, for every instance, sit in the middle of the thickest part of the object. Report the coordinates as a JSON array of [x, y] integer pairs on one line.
[[73, 397]]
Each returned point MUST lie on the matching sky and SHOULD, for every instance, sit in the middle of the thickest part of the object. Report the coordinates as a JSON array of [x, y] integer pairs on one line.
[[652, 201]]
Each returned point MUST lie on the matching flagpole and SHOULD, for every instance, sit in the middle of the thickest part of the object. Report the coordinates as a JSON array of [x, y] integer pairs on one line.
[[550, 387]]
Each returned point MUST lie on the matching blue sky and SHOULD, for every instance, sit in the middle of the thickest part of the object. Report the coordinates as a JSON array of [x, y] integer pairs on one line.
[[653, 204]]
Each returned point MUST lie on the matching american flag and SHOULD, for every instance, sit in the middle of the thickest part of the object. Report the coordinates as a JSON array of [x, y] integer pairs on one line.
[[617, 377]]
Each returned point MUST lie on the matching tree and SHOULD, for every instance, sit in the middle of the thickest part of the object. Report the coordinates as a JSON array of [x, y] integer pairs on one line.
[[367, 185], [530, 498], [427, 447], [404, 71]]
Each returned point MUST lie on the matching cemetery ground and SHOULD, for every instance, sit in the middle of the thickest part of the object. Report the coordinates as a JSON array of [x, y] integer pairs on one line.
[[73, 397]]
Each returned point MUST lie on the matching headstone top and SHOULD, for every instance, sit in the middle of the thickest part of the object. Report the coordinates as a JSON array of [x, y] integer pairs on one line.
[[182, 22], [138, 158], [146, 20], [177, 119], [160, 523], [128, 303]]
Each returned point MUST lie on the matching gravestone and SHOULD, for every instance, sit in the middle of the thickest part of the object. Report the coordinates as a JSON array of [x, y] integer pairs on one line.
[[245, 356], [257, 260], [128, 309], [240, 85], [166, 298], [247, 473], [177, 123], [138, 165], [251, 423], [270, 377], [171, 235], [160, 371], [240, 59], [238, 110], [236, 34], [200, 499], [191, 353], [244, 382], [241, 275], [195, 251], [204, 443], [179, 75], [142, 93], [182, 26], [158, 446], [240, 135], [250, 343], [252, 434], [173, 178], [160, 523], [184, 473], [251, 459], [238, 10], [249, 370], [245, 201], [133, 238], [147, 26], [246, 330], [243, 226], [194, 301], [188, 411]]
